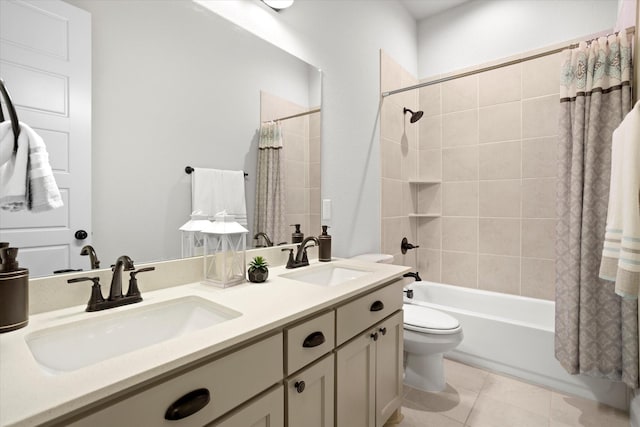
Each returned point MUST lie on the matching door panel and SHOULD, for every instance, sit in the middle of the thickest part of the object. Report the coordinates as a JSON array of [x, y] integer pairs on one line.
[[389, 349], [313, 405], [45, 62]]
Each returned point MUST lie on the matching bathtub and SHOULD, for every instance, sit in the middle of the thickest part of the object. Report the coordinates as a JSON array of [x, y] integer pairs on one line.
[[513, 335]]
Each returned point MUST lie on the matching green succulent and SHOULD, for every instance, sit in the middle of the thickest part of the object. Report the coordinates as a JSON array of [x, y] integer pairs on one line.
[[258, 263]]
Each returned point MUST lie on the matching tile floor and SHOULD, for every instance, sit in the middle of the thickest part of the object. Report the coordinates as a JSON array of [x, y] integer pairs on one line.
[[478, 398]]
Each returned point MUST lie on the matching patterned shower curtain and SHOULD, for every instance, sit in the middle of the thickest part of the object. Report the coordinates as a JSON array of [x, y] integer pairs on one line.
[[270, 192], [596, 330]]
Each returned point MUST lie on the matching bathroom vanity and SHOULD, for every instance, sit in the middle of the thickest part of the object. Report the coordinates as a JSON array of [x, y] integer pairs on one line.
[[315, 346]]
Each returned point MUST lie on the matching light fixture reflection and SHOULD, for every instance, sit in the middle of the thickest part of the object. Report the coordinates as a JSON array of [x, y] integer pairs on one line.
[[278, 4]]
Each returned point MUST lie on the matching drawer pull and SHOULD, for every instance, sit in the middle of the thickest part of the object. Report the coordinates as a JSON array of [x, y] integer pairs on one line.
[[299, 385], [376, 306], [374, 336], [314, 339], [188, 404], [383, 331]]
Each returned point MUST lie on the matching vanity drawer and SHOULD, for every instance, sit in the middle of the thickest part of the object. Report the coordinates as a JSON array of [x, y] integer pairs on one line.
[[357, 315], [230, 381], [309, 340]]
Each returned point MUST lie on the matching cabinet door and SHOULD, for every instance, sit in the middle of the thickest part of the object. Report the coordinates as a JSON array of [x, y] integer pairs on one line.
[[388, 367], [355, 390], [310, 395], [265, 411]]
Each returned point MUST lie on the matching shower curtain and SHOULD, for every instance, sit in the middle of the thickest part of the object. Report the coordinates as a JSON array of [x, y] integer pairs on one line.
[[270, 192], [596, 330]]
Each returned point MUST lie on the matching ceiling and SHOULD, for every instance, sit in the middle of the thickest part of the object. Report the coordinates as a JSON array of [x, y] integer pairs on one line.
[[421, 9]]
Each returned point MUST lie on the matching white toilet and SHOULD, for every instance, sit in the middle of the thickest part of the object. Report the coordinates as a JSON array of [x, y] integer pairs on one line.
[[428, 334]]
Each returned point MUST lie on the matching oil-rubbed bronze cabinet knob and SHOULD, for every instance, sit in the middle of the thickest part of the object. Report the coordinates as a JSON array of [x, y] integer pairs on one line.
[[383, 331], [299, 385], [374, 336]]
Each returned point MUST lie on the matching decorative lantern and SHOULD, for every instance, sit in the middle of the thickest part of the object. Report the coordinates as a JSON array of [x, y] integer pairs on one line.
[[224, 253], [192, 237]]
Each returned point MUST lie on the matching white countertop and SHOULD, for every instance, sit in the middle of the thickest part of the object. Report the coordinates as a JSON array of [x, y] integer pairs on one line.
[[29, 395]]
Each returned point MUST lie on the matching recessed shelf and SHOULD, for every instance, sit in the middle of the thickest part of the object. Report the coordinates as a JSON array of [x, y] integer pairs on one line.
[[425, 181], [424, 215]]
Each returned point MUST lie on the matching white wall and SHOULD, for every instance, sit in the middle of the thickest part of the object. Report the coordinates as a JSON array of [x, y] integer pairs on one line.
[[485, 30], [343, 38]]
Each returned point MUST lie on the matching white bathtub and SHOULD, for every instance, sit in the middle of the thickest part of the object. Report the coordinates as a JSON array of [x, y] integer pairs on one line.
[[513, 335]]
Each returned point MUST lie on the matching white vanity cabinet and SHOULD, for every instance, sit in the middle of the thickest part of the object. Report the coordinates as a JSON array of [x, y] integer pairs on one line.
[[200, 395], [369, 367], [310, 392]]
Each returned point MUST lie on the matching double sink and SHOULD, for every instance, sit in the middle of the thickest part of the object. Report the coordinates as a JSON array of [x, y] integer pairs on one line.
[[83, 343]]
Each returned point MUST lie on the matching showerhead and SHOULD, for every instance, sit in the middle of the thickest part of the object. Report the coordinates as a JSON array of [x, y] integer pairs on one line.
[[414, 116]]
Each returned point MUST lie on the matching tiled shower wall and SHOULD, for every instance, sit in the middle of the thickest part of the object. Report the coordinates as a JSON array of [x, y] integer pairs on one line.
[[301, 153], [491, 140]]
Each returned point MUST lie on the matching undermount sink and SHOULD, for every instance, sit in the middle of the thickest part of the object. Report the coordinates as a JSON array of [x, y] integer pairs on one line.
[[85, 342], [330, 275]]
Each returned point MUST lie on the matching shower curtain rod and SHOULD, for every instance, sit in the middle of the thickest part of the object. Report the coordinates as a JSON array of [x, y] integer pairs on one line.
[[316, 110], [630, 30]]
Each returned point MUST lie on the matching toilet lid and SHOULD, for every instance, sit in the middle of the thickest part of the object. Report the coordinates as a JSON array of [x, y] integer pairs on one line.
[[424, 319]]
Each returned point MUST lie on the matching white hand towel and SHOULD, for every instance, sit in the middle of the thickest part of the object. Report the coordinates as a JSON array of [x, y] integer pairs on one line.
[[215, 190], [621, 252], [26, 178]]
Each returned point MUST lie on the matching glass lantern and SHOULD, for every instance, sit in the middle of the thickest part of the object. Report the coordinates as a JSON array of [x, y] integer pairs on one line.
[[192, 237], [225, 251]]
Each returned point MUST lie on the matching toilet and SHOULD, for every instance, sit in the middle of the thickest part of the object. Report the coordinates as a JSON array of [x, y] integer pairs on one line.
[[428, 334]]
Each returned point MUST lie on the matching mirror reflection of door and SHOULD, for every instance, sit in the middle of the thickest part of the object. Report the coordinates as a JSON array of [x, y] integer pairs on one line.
[[45, 62]]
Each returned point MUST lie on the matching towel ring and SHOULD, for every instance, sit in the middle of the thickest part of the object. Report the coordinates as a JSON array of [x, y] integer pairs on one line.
[[13, 116]]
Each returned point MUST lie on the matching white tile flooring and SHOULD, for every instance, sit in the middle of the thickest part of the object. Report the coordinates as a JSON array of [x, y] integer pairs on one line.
[[478, 398]]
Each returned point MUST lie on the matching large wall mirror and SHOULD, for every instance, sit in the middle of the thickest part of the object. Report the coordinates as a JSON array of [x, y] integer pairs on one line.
[[175, 85]]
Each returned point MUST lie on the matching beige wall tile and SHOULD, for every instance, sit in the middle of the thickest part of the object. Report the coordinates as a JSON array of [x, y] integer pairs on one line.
[[540, 116], [538, 238], [539, 157], [314, 149], [500, 85], [460, 94], [460, 164], [541, 76], [460, 268], [460, 198], [499, 236], [429, 264], [410, 136], [314, 201], [293, 148], [390, 159], [429, 232], [296, 201], [460, 128], [500, 122], [539, 198], [430, 164], [409, 160], [314, 175], [538, 278], [429, 199], [500, 198], [391, 235], [390, 73], [295, 173], [391, 198], [430, 132], [409, 198], [499, 160], [499, 273], [460, 234], [315, 122], [391, 120], [429, 99]]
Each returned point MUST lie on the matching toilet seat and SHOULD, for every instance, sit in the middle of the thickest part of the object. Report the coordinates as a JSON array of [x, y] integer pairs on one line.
[[429, 321]]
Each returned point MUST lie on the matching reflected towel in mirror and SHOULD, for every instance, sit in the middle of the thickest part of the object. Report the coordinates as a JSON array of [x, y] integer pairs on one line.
[[215, 190]]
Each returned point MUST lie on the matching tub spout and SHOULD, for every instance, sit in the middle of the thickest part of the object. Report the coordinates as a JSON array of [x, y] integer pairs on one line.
[[415, 276]]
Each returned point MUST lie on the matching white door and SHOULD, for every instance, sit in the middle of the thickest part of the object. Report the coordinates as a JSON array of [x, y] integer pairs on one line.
[[45, 62]]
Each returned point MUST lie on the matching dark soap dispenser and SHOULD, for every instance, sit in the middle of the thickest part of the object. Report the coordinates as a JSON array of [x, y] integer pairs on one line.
[[297, 236], [324, 251], [14, 291]]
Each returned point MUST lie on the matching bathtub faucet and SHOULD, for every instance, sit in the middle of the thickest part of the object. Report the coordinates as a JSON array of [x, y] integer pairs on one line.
[[409, 293], [415, 276]]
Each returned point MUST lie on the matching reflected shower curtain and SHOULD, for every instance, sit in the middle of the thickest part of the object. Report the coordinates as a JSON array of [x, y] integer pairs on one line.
[[270, 199], [596, 330]]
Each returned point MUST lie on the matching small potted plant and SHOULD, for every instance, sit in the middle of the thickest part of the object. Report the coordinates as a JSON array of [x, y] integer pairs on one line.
[[258, 271]]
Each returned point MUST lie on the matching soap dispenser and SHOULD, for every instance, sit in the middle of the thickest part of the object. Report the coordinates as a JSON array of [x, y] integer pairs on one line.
[[297, 236], [324, 251], [14, 291]]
